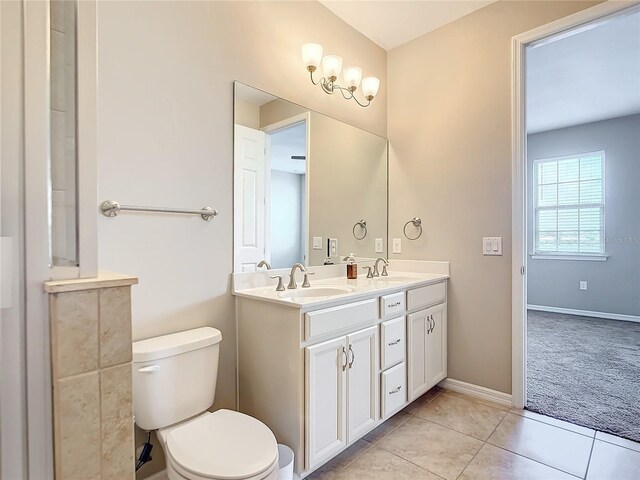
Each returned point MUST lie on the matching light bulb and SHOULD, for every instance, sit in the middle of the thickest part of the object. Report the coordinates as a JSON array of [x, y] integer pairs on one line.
[[311, 56], [370, 86], [332, 65], [352, 77]]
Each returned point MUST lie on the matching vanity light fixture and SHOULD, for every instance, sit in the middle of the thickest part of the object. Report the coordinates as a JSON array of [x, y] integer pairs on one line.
[[332, 66]]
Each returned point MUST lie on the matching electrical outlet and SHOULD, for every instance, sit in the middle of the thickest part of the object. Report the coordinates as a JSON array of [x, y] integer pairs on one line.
[[317, 243], [397, 245], [333, 247], [583, 285], [379, 245]]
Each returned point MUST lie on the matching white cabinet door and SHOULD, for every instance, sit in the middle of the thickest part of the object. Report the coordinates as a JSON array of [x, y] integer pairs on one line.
[[250, 197], [417, 355], [436, 358], [362, 381], [326, 419]]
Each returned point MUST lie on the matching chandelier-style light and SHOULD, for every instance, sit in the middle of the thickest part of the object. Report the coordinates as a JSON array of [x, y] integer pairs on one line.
[[332, 66]]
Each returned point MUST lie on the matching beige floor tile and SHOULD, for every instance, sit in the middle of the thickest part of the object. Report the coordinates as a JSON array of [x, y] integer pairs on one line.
[[611, 462], [387, 427], [378, 464], [478, 400], [440, 450], [419, 402], [554, 421], [493, 463], [330, 469], [623, 442], [553, 446], [463, 415]]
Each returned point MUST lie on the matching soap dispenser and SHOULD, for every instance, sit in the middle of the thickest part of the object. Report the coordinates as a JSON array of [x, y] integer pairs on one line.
[[352, 267]]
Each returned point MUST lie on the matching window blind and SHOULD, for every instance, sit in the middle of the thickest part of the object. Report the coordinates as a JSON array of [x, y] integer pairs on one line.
[[569, 204]]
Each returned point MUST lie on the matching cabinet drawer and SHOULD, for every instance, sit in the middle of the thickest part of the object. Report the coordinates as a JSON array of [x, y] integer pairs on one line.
[[392, 304], [394, 391], [393, 343], [426, 296], [340, 319]]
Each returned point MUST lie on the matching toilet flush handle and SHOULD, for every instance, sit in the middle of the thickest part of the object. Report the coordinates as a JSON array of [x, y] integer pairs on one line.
[[150, 369]]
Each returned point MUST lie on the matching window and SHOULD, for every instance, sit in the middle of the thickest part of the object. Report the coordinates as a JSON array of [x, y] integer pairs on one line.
[[569, 205]]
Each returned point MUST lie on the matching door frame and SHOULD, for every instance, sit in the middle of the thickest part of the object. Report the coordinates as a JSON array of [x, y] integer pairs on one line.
[[272, 128], [600, 12]]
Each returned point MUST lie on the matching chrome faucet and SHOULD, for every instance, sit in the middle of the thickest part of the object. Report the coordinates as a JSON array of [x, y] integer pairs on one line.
[[264, 263], [376, 272], [292, 276]]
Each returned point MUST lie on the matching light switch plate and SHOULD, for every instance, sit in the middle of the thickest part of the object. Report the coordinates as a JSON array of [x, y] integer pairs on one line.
[[397, 245], [379, 245], [492, 245], [583, 285], [333, 247], [317, 243]]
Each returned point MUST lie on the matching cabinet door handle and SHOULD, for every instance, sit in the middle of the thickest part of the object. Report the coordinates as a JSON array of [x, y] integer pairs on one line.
[[395, 390], [391, 305], [428, 325], [353, 357], [344, 352], [394, 342]]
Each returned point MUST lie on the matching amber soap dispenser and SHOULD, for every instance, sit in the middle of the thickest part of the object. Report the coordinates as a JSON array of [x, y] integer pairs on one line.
[[352, 267]]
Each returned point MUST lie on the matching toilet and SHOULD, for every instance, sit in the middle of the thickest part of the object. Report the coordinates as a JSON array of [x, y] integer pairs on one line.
[[174, 383]]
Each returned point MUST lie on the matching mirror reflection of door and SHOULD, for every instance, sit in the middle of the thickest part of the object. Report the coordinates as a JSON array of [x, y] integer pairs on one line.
[[270, 194]]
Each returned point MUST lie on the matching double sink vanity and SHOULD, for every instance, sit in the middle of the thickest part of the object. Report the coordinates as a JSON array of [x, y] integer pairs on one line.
[[324, 365]]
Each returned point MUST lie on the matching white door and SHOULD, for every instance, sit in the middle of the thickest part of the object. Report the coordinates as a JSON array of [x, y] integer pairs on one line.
[[417, 355], [436, 358], [249, 177], [326, 398], [362, 382]]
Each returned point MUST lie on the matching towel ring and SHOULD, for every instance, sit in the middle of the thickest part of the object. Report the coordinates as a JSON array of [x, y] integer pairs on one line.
[[417, 222], [362, 224]]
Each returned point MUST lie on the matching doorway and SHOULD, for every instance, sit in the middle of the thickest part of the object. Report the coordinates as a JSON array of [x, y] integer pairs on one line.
[[287, 180], [576, 264]]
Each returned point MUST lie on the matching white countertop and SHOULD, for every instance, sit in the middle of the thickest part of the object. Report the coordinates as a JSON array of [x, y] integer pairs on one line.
[[353, 290]]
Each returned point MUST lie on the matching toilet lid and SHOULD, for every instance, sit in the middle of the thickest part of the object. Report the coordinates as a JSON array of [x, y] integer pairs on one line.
[[224, 445]]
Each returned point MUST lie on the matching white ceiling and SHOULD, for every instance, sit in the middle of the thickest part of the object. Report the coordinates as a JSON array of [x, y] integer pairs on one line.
[[586, 77], [392, 23], [253, 95]]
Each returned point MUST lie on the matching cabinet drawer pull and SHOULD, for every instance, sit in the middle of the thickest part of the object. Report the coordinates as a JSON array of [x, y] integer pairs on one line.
[[353, 357], [344, 353], [395, 390], [394, 342], [391, 305]]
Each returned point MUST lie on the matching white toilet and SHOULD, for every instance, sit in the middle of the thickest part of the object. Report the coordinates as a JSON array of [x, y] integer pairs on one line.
[[174, 383]]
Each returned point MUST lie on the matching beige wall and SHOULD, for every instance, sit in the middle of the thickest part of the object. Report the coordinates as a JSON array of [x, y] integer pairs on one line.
[[165, 137], [247, 114], [449, 128], [348, 182]]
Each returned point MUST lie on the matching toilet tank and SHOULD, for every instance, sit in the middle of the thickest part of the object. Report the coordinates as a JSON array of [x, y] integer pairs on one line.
[[174, 376]]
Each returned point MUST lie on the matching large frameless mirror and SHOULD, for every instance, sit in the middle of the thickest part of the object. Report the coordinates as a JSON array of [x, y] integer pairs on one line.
[[63, 133], [307, 188]]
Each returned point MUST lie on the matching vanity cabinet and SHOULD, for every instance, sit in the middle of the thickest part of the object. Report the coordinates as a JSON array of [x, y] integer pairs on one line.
[[427, 349], [322, 375], [341, 392]]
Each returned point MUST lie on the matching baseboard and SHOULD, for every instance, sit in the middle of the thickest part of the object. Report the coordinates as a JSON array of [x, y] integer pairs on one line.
[[585, 313], [477, 391], [161, 475]]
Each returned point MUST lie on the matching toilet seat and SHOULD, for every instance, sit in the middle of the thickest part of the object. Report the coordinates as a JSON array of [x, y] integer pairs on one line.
[[224, 445]]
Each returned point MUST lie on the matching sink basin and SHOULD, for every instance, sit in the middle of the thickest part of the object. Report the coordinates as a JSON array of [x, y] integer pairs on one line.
[[313, 292]]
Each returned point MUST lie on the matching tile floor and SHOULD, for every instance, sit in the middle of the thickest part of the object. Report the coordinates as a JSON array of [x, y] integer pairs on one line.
[[446, 435]]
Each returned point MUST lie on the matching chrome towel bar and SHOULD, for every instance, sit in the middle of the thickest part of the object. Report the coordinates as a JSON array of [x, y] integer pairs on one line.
[[111, 208]]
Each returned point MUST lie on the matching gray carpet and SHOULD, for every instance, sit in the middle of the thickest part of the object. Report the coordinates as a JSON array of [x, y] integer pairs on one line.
[[585, 371]]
